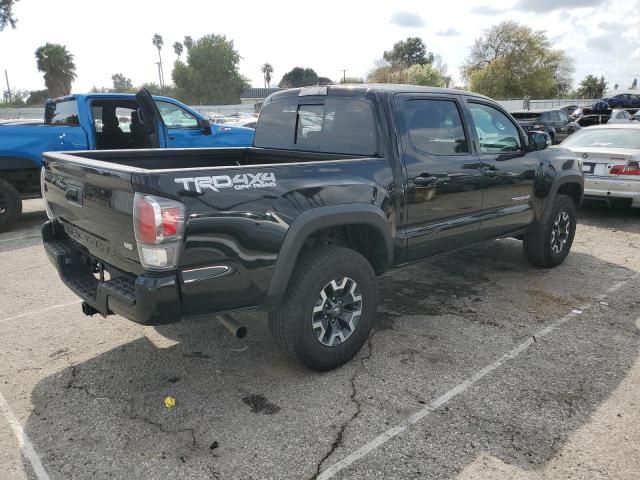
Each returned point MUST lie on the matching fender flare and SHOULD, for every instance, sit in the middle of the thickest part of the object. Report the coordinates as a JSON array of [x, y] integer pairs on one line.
[[311, 221], [562, 178]]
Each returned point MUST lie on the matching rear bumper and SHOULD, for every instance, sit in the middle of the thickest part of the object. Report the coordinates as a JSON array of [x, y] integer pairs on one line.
[[604, 188], [150, 300]]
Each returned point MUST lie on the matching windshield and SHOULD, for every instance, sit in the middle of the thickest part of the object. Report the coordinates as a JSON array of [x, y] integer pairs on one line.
[[605, 138]]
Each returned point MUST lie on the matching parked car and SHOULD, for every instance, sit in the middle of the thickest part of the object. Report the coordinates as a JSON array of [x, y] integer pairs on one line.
[[554, 121], [620, 116], [569, 109], [300, 224], [593, 119], [610, 157], [623, 100], [98, 122], [250, 122]]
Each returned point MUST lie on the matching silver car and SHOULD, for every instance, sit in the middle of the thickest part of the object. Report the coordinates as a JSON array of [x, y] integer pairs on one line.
[[620, 116], [610, 156]]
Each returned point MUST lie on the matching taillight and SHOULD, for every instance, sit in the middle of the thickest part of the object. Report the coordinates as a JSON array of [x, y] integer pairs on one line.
[[158, 224], [631, 168]]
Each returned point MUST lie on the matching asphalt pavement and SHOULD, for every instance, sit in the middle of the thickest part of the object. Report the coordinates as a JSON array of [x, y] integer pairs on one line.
[[480, 366]]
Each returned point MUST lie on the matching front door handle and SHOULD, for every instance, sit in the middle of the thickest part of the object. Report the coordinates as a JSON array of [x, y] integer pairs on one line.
[[424, 181]]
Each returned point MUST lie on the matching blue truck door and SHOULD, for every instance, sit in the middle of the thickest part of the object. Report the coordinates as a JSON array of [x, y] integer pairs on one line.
[[151, 119], [184, 129]]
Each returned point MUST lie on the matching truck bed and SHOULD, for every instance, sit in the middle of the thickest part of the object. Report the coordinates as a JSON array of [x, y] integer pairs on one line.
[[177, 159]]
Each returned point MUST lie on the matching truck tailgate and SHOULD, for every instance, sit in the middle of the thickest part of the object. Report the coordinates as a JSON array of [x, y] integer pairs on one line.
[[95, 205]]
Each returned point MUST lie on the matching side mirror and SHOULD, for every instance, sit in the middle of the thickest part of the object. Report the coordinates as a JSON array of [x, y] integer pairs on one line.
[[205, 125], [539, 140]]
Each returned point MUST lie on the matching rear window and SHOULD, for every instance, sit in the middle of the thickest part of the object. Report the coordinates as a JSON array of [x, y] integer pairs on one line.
[[335, 126], [61, 113], [525, 115]]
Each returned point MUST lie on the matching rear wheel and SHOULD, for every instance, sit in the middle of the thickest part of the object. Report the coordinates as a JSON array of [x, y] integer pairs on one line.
[[548, 244], [329, 308], [10, 205]]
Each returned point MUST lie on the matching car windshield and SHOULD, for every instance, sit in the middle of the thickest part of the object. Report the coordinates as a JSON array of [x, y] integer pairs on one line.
[[605, 137]]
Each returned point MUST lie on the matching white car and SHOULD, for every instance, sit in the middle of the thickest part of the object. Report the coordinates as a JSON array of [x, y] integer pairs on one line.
[[610, 156], [620, 116]]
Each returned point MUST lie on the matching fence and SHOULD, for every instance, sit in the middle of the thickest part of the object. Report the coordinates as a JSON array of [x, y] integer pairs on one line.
[[38, 112]]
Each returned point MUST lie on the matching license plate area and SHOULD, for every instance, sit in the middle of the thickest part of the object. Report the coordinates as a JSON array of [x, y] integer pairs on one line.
[[588, 167]]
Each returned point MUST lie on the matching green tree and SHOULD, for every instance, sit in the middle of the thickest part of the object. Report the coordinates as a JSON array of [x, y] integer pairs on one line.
[[406, 53], [511, 60], [592, 87], [352, 80], [121, 83], [15, 98], [37, 97], [188, 42], [210, 75], [57, 65], [6, 14], [299, 77], [178, 48], [153, 88], [267, 70], [425, 75]]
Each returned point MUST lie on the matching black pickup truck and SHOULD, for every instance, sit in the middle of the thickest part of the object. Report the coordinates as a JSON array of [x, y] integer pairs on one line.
[[342, 183]]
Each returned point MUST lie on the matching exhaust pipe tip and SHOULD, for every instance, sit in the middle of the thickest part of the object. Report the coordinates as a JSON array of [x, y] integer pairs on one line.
[[228, 322]]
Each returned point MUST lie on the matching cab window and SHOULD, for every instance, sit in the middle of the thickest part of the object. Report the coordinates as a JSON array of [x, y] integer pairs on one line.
[[175, 117], [435, 127], [496, 132], [61, 113]]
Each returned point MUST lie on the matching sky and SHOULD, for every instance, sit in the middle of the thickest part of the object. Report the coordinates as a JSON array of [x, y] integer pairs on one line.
[[601, 36]]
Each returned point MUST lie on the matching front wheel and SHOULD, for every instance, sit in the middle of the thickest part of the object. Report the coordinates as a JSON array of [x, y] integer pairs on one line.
[[548, 244], [10, 205], [329, 308]]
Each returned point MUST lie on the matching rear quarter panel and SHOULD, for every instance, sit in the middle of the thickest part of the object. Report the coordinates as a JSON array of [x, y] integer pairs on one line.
[[245, 226]]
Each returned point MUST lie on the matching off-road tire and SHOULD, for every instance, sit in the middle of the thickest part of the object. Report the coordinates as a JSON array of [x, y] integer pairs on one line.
[[291, 322], [10, 205], [537, 242]]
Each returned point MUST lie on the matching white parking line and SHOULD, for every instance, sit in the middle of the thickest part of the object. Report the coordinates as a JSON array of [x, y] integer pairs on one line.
[[23, 440], [457, 390], [29, 237], [42, 310]]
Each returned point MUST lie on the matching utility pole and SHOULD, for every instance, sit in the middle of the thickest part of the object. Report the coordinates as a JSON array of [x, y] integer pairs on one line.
[[6, 76], [344, 76]]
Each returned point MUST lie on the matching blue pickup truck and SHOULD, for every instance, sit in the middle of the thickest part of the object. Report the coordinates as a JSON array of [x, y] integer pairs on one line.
[[101, 121]]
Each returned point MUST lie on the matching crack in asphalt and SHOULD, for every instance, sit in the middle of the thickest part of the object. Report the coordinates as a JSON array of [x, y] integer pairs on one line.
[[130, 414], [337, 443]]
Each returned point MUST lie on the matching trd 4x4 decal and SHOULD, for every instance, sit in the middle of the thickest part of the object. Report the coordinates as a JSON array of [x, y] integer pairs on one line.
[[241, 181]]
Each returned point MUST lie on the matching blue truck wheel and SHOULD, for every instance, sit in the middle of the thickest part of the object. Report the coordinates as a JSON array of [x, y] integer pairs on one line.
[[10, 205]]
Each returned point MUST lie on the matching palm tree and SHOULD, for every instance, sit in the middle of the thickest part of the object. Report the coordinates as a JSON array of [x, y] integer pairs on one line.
[[188, 42], [57, 65], [178, 48], [267, 70], [158, 42]]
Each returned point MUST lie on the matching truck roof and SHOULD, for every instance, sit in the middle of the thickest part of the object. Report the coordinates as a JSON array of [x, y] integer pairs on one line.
[[361, 89], [78, 96]]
